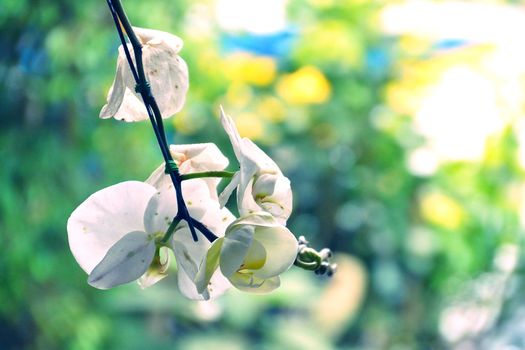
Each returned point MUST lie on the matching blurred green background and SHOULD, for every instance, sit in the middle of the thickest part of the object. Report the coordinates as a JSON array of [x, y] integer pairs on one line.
[[400, 125]]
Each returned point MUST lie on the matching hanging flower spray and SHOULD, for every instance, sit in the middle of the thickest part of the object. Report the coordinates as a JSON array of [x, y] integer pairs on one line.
[[125, 232]]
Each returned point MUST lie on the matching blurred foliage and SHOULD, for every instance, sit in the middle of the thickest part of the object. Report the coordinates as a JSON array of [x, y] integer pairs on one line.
[[336, 113]]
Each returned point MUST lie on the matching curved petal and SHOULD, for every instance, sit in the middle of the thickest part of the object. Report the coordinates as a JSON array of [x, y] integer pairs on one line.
[[157, 270], [126, 260], [187, 252], [104, 218], [116, 91], [187, 287], [217, 219], [167, 74], [256, 257], [132, 108], [237, 242], [245, 200], [216, 286], [252, 284], [273, 194], [228, 190], [281, 250], [231, 130], [199, 157], [162, 207], [154, 37], [255, 155], [208, 265], [261, 218], [190, 159]]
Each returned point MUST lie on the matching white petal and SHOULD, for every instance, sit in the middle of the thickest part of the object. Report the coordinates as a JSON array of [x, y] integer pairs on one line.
[[168, 77], [217, 219], [274, 195], [132, 108], [193, 158], [246, 202], [152, 37], [237, 242], [166, 72], [231, 130], [199, 157], [162, 207], [187, 252], [209, 265], [255, 258], [116, 91], [104, 218], [281, 250], [157, 270], [254, 154], [216, 286], [158, 176], [253, 284], [227, 192], [187, 287], [125, 261], [261, 218]]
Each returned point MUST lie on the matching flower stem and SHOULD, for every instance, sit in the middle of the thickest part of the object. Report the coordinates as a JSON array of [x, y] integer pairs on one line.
[[227, 174], [120, 18], [313, 260]]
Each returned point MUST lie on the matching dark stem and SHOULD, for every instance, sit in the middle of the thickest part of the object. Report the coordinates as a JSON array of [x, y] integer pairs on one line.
[[154, 114]]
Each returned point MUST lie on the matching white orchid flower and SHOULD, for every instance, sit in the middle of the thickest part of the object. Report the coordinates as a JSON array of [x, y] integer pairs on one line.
[[193, 158], [260, 183], [165, 70], [255, 250], [114, 235]]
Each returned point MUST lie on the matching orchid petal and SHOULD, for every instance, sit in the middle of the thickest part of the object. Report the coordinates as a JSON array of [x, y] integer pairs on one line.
[[165, 71], [274, 195], [209, 265], [104, 218], [252, 284], [228, 190], [162, 208], [237, 242], [157, 270], [231, 130], [116, 91], [281, 250], [126, 260], [255, 258]]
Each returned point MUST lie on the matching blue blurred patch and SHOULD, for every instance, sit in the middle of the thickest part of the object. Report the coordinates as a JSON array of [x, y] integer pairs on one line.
[[450, 44], [277, 45]]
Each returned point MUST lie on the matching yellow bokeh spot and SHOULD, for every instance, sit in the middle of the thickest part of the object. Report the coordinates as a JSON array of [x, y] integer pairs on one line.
[[186, 124], [441, 210], [239, 95], [249, 125], [271, 109], [247, 68], [308, 85]]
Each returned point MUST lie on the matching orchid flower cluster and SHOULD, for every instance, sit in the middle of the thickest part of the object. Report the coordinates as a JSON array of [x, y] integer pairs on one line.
[[132, 230]]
